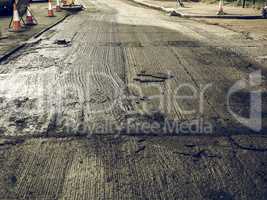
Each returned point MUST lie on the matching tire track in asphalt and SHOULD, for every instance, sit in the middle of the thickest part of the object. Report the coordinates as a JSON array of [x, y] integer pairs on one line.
[[111, 44], [126, 167], [131, 168]]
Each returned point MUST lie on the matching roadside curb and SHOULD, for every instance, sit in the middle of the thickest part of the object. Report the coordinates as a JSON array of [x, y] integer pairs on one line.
[[176, 13], [11, 51], [180, 14], [8, 53], [152, 6], [51, 26]]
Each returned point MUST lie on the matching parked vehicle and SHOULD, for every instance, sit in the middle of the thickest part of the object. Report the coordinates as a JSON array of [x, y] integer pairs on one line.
[[6, 7], [70, 6]]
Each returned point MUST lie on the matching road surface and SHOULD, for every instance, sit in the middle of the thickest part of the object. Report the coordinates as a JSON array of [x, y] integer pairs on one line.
[[123, 102]]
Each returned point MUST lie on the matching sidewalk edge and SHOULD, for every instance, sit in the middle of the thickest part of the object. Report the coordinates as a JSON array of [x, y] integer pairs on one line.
[[11, 51], [51, 26], [176, 13], [8, 53]]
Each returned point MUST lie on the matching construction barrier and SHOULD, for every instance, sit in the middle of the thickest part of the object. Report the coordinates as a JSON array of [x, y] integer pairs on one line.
[[50, 9], [15, 24], [58, 6], [220, 10], [30, 20]]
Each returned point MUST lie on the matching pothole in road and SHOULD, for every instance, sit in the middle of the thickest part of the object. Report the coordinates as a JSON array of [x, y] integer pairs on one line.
[[63, 42], [145, 77]]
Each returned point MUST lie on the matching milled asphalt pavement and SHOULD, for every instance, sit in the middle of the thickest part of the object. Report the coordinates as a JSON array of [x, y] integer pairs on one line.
[[91, 110]]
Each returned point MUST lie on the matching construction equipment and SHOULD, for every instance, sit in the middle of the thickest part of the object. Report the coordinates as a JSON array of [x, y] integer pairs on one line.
[[70, 5]]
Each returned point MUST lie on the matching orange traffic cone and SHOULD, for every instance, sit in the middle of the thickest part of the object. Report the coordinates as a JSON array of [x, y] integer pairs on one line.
[[16, 26], [50, 9], [29, 17], [220, 11], [58, 6]]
